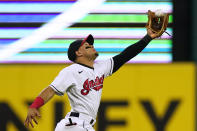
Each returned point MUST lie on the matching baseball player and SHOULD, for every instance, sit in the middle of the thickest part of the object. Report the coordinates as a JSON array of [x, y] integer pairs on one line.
[[83, 83]]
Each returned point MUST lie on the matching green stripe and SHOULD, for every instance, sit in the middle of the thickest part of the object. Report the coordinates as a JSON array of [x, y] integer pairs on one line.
[[118, 18], [62, 43]]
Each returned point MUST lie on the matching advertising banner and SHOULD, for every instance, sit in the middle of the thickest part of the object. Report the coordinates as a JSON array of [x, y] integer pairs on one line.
[[138, 97]]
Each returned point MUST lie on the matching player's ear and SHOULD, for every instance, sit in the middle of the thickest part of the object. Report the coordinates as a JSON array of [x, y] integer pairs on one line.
[[78, 53]]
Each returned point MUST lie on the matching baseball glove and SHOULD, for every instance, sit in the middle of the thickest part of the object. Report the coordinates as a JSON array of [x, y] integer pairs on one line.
[[157, 24]]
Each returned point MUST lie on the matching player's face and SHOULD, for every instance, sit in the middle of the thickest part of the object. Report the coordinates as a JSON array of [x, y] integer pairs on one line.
[[88, 51]]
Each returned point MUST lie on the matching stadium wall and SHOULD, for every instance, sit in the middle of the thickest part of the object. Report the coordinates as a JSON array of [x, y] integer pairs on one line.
[[138, 97]]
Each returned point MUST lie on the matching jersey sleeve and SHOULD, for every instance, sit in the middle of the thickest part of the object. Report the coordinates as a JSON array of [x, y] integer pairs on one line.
[[62, 82], [106, 66]]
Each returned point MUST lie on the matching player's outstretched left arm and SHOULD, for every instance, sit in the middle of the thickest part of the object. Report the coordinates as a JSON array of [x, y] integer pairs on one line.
[[132, 50], [33, 111]]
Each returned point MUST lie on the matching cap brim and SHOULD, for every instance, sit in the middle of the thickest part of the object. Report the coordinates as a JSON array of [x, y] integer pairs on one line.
[[89, 39]]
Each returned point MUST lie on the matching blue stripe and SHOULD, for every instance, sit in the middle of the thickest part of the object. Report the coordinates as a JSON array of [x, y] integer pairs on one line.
[[26, 17], [6, 41]]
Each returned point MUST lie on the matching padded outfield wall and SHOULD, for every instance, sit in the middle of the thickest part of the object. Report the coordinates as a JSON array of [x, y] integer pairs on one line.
[[139, 97]]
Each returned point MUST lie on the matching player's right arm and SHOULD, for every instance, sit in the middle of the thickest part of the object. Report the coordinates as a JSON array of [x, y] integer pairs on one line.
[[59, 86], [40, 100]]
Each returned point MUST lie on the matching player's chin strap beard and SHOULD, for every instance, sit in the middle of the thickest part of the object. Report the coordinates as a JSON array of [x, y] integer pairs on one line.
[[92, 57], [96, 54]]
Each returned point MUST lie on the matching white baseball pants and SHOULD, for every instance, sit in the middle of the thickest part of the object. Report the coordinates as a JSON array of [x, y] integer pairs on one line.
[[74, 124]]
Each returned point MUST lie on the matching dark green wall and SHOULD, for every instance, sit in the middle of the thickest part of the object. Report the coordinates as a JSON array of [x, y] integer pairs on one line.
[[194, 30], [181, 30]]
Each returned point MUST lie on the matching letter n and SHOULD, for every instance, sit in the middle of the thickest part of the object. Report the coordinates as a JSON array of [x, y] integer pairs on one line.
[[7, 115]]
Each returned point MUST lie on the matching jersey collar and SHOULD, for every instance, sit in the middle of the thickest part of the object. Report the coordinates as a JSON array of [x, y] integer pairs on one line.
[[85, 66]]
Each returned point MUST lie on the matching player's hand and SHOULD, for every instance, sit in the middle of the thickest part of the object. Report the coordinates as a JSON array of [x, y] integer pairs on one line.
[[152, 34], [31, 115]]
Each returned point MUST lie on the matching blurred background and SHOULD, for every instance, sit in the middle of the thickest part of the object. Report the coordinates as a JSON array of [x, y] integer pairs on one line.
[[155, 91]]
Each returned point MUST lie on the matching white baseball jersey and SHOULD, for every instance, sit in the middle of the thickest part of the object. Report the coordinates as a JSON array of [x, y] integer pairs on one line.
[[83, 85]]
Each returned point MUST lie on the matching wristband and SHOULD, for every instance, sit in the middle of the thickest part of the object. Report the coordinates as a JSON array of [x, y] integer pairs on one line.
[[38, 102]]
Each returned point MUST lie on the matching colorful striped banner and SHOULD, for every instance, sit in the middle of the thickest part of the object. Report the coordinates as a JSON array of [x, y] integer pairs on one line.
[[115, 25]]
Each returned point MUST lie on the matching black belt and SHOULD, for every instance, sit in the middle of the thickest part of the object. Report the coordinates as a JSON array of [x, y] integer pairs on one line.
[[76, 114]]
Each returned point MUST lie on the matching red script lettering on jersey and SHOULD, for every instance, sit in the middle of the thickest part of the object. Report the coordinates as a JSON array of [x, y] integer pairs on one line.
[[96, 84]]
